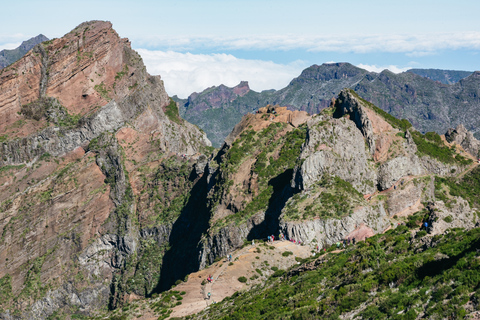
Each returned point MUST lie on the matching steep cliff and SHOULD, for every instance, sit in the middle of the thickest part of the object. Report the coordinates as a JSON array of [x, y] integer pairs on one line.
[[95, 166]]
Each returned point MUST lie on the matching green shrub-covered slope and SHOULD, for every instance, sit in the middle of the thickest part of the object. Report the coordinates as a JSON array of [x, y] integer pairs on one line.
[[396, 275]]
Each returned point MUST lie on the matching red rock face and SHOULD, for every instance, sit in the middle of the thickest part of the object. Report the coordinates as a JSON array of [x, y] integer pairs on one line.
[[52, 219], [19, 84], [54, 209], [86, 57], [84, 70]]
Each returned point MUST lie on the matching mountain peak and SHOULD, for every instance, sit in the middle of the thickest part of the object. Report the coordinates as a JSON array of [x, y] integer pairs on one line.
[[329, 71]]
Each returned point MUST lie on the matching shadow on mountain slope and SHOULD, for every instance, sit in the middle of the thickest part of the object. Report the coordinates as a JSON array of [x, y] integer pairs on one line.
[[182, 258], [282, 191]]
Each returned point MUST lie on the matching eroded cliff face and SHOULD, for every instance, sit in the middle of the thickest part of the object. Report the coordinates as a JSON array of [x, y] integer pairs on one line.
[[95, 166], [349, 172]]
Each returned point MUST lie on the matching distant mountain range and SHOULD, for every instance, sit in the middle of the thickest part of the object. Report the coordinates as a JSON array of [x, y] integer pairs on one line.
[[419, 95], [8, 57], [443, 76]]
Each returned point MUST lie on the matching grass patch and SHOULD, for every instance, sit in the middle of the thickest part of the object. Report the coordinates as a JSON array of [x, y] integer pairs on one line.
[[171, 111], [432, 145]]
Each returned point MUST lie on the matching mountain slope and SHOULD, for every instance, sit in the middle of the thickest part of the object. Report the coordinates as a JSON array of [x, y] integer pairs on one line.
[[351, 172], [429, 105], [8, 57], [443, 76], [85, 133]]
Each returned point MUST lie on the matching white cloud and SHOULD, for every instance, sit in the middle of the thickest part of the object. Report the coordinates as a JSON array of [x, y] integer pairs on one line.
[[185, 73], [9, 46], [394, 43], [378, 69], [11, 41]]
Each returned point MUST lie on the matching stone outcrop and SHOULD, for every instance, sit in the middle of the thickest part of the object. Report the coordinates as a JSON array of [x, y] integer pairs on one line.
[[330, 231], [347, 104], [335, 147], [465, 139], [456, 215]]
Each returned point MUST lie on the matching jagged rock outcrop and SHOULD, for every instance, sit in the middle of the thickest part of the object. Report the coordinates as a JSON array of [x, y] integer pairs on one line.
[[335, 147], [346, 104], [456, 215], [465, 139], [387, 182]]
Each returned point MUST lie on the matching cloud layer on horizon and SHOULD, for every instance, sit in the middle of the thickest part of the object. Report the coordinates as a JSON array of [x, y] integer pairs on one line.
[[419, 44], [185, 73]]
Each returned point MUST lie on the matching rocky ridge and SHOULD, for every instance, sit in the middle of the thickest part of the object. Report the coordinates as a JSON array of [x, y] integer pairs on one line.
[[428, 104], [8, 57], [355, 171], [85, 131]]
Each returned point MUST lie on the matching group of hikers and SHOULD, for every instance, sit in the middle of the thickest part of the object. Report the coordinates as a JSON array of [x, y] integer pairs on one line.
[[347, 242]]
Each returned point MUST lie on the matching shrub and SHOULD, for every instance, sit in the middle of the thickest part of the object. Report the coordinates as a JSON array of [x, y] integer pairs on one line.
[[421, 234], [278, 273], [448, 219], [242, 279], [287, 253]]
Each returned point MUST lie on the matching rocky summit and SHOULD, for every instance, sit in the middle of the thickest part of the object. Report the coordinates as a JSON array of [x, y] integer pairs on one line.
[[115, 207]]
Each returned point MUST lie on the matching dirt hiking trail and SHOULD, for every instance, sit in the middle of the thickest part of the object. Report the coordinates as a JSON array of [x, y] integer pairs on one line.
[[253, 262]]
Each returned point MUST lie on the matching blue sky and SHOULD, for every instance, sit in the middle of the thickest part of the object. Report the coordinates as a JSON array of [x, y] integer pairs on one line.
[[195, 44]]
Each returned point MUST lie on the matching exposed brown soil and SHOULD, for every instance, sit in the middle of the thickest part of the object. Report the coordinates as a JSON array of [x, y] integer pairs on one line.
[[225, 275]]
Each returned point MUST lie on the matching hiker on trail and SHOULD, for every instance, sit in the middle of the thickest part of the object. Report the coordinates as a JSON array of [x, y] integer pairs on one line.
[[425, 225], [253, 242], [338, 245], [272, 237], [268, 238], [230, 258], [354, 240], [209, 294], [344, 243]]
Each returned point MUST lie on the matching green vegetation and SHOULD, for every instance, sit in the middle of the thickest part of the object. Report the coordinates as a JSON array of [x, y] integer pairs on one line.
[[5, 289], [242, 279], [386, 277], [122, 73], [11, 167], [171, 111], [276, 156], [103, 91], [331, 197], [468, 188], [432, 145], [52, 110]]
